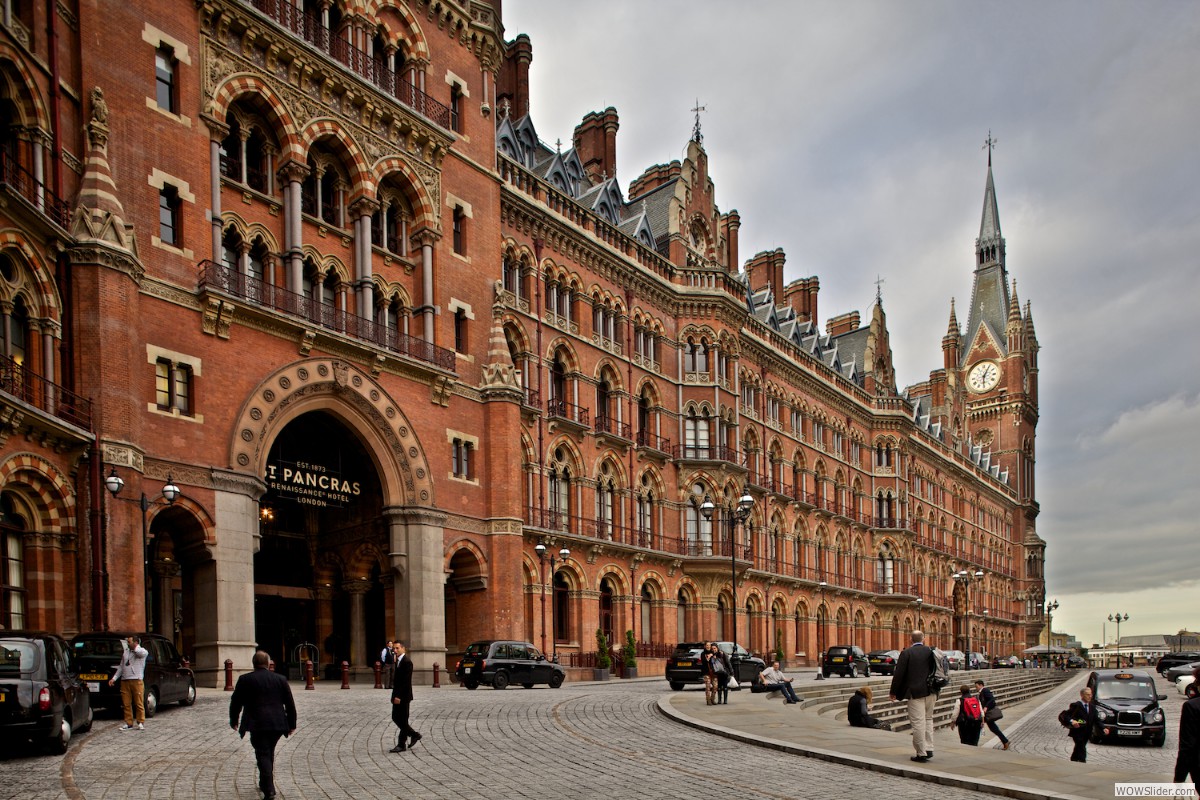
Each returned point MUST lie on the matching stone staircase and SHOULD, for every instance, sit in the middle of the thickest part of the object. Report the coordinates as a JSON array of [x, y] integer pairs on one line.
[[1009, 686]]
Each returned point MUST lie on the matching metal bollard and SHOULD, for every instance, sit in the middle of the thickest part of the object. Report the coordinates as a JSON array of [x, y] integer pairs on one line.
[[229, 674], [308, 676], [345, 674], [378, 675], [437, 675]]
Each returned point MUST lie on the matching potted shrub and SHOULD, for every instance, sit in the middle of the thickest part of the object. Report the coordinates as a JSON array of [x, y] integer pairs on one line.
[[629, 655], [603, 661]]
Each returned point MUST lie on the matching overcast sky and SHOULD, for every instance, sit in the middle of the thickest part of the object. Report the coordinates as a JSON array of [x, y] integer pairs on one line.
[[850, 135]]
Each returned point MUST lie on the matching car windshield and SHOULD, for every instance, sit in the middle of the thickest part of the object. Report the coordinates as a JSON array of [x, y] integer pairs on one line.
[[16, 657], [1135, 689]]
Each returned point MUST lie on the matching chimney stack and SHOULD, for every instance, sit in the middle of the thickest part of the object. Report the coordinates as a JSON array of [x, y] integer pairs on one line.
[[596, 144]]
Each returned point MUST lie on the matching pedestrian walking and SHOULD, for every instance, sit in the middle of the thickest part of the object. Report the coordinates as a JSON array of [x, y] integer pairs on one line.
[[402, 696], [263, 701], [1081, 716], [774, 680], [968, 716], [131, 673], [910, 682], [1188, 760], [723, 669], [387, 660], [709, 674], [991, 712]]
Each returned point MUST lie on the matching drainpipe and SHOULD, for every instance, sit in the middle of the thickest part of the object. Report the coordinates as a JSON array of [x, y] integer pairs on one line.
[[55, 110]]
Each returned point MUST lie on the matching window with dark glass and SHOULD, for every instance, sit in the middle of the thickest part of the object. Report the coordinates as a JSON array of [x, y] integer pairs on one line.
[[165, 68], [12, 567], [168, 216], [456, 108], [460, 330], [460, 231]]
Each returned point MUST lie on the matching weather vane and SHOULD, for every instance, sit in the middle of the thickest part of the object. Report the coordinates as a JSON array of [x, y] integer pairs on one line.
[[989, 143], [879, 289], [696, 135]]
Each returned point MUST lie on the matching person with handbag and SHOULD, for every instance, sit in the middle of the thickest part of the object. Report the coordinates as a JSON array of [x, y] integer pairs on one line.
[[991, 712], [722, 669], [709, 675], [910, 682]]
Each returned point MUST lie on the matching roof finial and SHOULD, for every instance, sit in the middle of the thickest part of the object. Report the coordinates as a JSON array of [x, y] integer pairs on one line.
[[697, 137], [879, 289], [558, 145], [989, 143]]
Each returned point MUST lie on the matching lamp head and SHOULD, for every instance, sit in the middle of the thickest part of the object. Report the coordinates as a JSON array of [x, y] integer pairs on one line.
[[745, 503], [540, 549], [564, 553], [113, 482], [706, 508], [171, 491]]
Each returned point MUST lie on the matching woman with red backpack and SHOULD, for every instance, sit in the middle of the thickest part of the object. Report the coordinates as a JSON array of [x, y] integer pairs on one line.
[[968, 716]]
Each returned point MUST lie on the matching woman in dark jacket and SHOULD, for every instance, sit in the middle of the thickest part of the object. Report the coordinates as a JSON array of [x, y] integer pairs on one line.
[[723, 669], [968, 727], [859, 711]]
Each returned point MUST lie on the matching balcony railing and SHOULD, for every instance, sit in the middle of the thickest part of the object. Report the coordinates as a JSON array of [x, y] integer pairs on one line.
[[226, 279], [569, 411], [706, 452], [551, 520], [654, 441], [614, 427], [533, 398], [18, 381], [309, 28], [15, 177]]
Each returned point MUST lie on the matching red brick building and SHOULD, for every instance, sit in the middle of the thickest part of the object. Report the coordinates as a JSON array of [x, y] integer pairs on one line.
[[309, 342]]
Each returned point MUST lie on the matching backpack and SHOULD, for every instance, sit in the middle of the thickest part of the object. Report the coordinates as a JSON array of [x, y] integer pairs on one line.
[[1064, 718], [938, 678], [972, 709]]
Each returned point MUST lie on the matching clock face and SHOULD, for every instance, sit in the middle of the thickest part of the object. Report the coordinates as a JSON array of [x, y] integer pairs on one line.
[[983, 376]]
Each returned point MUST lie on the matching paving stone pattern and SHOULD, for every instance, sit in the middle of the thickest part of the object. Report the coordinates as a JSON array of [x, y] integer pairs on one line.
[[580, 741]]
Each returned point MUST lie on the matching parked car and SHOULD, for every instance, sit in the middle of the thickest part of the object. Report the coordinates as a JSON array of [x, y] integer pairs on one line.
[[1127, 707], [168, 678], [883, 662], [977, 660], [504, 662], [957, 659], [41, 700], [1006, 662], [1175, 673], [1076, 662], [1186, 685], [847, 660], [1174, 660], [684, 666]]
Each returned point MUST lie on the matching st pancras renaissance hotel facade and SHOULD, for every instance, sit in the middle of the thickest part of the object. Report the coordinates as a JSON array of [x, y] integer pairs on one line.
[[309, 342]]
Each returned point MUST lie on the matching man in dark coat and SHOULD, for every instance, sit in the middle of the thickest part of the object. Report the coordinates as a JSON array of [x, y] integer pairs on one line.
[[402, 695], [1083, 718], [263, 700], [1188, 760], [910, 682]]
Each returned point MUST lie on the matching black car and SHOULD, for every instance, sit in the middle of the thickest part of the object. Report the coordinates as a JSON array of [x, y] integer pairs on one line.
[[1174, 660], [1127, 707], [1076, 662], [883, 662], [501, 663], [1007, 662], [684, 666], [41, 700], [168, 678], [847, 660], [1177, 672]]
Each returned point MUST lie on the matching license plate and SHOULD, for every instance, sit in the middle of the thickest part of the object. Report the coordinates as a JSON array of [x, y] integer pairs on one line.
[[91, 676], [1129, 733], [93, 686], [838, 660], [466, 670], [3, 698], [683, 663]]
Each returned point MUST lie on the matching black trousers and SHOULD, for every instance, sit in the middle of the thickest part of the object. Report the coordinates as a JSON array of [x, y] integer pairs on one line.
[[1187, 763], [400, 717], [994, 728], [264, 743], [1080, 752]]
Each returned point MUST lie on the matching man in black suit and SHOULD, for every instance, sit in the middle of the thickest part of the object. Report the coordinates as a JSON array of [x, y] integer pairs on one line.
[[1083, 719], [1188, 760], [263, 700], [402, 696], [910, 682]]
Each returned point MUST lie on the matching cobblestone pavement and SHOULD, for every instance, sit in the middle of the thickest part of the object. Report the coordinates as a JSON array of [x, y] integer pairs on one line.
[[583, 741], [1040, 734]]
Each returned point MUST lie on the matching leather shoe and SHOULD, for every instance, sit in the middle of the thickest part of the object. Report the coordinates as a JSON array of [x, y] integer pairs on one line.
[[1006, 744], [398, 749], [929, 754], [919, 759], [416, 737]]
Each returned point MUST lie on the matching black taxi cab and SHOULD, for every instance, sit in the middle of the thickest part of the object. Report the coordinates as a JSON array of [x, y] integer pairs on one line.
[[500, 664], [1127, 707]]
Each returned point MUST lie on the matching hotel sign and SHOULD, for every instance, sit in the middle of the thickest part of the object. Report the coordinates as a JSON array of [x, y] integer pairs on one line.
[[311, 484]]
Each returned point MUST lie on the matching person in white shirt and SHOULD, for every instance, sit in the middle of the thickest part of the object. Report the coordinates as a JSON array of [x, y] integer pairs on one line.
[[131, 673], [774, 680], [387, 659]]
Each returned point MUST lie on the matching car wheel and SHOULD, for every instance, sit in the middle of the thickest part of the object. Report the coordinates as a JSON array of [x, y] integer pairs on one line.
[[189, 699], [87, 723], [676, 686], [1159, 742], [58, 744], [867, 672], [500, 681], [151, 702], [853, 670], [527, 685], [472, 685], [556, 680]]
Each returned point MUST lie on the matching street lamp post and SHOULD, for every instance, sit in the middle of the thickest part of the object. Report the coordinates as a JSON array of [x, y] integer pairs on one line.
[[170, 492], [1117, 618], [563, 554], [740, 514], [820, 634], [920, 602], [1051, 607], [966, 577]]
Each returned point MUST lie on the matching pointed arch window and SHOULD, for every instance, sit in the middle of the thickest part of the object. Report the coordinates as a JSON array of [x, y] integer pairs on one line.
[[562, 608], [606, 490], [696, 430], [560, 492], [12, 566], [699, 528], [885, 574]]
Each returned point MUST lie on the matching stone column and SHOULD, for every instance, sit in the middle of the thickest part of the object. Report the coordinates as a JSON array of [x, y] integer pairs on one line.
[[324, 597], [417, 550], [358, 622], [164, 573]]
